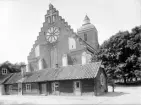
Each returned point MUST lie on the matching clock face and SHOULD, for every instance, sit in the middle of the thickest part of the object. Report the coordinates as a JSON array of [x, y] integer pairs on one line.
[[52, 34]]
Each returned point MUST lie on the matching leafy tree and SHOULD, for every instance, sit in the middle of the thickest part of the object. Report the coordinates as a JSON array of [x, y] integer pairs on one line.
[[120, 54], [13, 67]]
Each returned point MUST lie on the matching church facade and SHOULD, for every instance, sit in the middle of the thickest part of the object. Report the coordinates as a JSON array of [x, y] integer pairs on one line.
[[57, 43], [60, 61]]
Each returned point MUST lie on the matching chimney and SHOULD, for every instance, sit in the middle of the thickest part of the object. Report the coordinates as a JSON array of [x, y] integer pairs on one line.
[[23, 69]]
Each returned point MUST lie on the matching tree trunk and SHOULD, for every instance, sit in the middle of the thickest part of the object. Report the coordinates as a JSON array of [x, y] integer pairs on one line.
[[136, 78], [124, 80], [113, 88]]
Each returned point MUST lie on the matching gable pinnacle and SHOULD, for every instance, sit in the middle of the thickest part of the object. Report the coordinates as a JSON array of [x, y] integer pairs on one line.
[[86, 20], [51, 6]]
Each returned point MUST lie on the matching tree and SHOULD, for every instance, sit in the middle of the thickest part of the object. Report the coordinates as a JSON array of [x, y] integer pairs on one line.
[[13, 67], [120, 54]]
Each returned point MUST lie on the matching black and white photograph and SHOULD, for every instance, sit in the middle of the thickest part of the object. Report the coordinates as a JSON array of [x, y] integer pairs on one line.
[[55, 52]]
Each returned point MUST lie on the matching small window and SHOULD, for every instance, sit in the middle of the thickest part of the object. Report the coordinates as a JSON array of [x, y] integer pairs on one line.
[[53, 18], [49, 19], [102, 79], [37, 51], [77, 84], [85, 37], [4, 71], [72, 43], [55, 86], [28, 87]]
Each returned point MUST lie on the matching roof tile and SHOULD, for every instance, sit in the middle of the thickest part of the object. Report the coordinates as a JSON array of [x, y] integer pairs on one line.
[[62, 73]]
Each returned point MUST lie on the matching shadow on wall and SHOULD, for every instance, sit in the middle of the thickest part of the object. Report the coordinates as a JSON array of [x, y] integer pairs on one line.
[[113, 94]]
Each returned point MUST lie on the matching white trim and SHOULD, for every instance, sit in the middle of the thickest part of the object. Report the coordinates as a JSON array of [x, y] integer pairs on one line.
[[54, 86], [75, 85], [28, 87]]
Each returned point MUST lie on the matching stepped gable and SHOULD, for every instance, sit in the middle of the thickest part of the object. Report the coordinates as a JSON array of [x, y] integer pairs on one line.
[[51, 7], [73, 34]]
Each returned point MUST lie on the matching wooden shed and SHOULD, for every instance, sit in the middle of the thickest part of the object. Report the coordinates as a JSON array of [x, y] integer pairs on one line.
[[88, 79]]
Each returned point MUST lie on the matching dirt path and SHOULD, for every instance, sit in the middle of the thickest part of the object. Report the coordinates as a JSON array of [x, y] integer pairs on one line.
[[122, 95]]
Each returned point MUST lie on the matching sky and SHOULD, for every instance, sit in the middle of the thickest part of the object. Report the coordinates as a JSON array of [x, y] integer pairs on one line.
[[21, 21]]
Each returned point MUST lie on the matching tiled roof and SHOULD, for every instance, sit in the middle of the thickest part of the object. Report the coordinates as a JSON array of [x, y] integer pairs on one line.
[[14, 78], [66, 73], [36, 75], [3, 78], [61, 73]]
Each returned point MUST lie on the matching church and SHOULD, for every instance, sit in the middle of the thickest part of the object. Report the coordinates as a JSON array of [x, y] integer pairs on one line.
[[60, 61]]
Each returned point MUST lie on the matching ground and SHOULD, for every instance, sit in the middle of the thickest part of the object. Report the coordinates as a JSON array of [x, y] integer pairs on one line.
[[122, 95]]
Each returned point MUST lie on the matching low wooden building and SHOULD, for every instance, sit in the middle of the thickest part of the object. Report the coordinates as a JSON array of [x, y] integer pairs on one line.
[[5, 74], [88, 79]]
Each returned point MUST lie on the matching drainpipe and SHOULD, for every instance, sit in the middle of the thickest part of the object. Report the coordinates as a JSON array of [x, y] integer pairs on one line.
[[23, 70]]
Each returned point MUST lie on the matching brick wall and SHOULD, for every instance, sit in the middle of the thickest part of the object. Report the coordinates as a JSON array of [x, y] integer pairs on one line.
[[92, 37], [65, 32]]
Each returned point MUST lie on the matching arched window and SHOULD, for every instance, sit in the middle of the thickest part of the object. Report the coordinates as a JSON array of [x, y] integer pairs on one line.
[[85, 36], [49, 19], [102, 79], [40, 64], [37, 51], [53, 18], [72, 43], [64, 60], [84, 58], [54, 57]]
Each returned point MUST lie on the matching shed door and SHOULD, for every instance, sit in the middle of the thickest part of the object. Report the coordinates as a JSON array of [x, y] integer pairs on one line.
[[43, 88], [77, 88]]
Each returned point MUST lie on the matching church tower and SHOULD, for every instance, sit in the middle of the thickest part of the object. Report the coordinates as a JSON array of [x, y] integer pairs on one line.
[[89, 33]]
